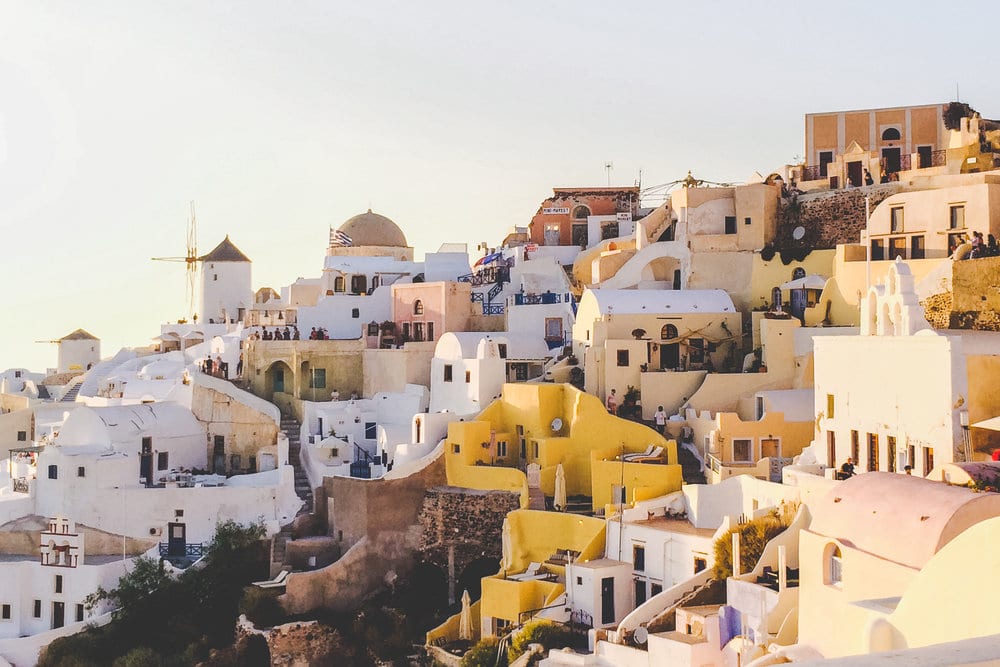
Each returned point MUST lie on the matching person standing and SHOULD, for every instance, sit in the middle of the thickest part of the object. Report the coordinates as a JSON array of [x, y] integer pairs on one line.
[[660, 417], [612, 403]]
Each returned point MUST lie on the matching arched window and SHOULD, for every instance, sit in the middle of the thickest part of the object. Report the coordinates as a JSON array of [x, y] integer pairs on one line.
[[798, 272], [668, 332], [338, 284], [890, 134], [581, 212], [418, 307]]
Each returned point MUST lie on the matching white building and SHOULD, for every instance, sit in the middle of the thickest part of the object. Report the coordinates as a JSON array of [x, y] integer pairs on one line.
[[470, 368]]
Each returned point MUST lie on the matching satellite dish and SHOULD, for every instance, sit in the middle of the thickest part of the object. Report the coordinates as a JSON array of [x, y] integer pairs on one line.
[[556, 424], [798, 233], [641, 635]]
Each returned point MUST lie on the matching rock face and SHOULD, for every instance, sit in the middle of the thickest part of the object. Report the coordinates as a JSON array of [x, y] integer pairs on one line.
[[830, 217], [301, 644]]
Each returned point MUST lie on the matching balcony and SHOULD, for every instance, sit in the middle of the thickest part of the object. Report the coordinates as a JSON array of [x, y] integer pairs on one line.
[[522, 299]]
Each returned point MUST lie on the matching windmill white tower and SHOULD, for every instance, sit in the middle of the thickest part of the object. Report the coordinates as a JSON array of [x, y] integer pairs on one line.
[[191, 262]]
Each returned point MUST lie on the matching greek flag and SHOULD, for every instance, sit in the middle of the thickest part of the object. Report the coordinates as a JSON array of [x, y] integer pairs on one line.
[[339, 238]]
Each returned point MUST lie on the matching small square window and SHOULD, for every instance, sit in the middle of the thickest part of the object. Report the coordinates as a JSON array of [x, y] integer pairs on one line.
[[371, 430], [730, 224], [579, 581], [161, 460], [22, 436], [747, 221], [502, 347], [5, 612], [956, 216], [81, 472], [317, 378], [623, 357], [53, 472], [355, 313], [456, 449], [178, 514]]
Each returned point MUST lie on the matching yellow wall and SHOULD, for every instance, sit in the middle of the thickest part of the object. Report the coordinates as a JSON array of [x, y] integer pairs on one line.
[[768, 275], [586, 427], [641, 480]]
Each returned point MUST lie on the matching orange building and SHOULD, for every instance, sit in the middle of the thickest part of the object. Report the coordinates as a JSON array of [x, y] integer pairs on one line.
[[896, 139], [566, 218]]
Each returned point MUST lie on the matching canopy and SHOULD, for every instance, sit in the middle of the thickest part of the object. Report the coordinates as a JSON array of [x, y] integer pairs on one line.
[[992, 424], [488, 258], [809, 282]]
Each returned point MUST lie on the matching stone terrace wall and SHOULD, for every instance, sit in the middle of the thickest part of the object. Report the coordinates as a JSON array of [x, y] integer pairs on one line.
[[830, 217], [466, 522]]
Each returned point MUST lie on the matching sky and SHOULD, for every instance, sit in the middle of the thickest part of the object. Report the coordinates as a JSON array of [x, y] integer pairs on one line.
[[455, 119]]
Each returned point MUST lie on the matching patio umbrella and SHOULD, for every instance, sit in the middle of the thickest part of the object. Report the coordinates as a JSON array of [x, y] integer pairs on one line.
[[559, 502], [465, 620], [809, 282], [507, 547]]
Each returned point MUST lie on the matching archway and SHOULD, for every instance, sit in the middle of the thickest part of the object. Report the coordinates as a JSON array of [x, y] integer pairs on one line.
[[278, 378], [471, 577], [425, 591]]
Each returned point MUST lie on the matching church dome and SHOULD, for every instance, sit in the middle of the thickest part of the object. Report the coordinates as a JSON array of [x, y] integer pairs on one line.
[[372, 229]]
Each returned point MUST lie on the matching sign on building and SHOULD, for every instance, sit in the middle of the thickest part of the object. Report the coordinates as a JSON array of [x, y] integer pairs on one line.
[[625, 217], [555, 211]]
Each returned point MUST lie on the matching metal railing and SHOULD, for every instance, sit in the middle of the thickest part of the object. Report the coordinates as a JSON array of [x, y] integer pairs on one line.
[[522, 299], [191, 550]]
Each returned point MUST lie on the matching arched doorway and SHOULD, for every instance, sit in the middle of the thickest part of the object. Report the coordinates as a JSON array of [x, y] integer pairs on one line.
[[670, 351], [278, 378]]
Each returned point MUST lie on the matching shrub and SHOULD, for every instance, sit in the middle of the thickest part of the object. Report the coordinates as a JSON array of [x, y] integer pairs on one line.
[[539, 631], [482, 654], [754, 536], [262, 607]]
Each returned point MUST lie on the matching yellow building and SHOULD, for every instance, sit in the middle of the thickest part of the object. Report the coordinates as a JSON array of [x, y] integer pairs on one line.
[[522, 438]]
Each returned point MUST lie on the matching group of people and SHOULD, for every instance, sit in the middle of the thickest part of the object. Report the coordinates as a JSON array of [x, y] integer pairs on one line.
[[983, 248], [318, 333], [847, 469], [280, 334], [218, 367]]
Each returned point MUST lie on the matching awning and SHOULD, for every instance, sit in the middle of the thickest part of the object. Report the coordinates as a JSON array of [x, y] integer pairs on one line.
[[809, 282], [990, 424]]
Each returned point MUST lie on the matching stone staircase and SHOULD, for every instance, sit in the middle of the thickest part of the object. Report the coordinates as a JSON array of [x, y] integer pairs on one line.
[[71, 395], [291, 427], [303, 490]]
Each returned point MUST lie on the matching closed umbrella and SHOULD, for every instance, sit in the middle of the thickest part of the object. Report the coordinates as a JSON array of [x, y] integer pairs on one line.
[[507, 547], [465, 620], [811, 281], [560, 493]]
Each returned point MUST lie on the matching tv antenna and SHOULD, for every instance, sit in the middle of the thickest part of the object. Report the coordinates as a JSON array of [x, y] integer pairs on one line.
[[609, 167], [190, 260]]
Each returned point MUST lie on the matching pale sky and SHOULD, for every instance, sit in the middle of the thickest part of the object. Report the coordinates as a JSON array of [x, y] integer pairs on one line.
[[455, 119]]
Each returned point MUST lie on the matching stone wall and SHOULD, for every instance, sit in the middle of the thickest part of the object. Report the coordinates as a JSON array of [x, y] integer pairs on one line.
[[976, 294], [829, 218], [459, 526]]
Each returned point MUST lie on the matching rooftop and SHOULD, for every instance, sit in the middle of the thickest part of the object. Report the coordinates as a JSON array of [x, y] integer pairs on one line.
[[225, 252]]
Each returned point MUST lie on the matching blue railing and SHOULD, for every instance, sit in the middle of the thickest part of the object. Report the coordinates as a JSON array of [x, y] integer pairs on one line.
[[522, 299], [493, 309]]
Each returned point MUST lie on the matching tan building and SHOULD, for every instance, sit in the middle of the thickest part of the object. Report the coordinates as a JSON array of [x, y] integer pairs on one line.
[[879, 139]]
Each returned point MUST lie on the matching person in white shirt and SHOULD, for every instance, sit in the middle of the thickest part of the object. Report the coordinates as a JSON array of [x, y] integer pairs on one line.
[[660, 417]]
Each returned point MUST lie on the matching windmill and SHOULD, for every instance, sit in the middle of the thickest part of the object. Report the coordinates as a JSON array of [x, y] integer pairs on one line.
[[190, 260]]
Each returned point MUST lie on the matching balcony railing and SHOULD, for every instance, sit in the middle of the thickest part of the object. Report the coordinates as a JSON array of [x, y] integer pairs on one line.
[[523, 299], [191, 550]]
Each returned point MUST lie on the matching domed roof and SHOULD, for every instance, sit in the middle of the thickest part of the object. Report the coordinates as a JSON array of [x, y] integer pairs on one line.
[[374, 230]]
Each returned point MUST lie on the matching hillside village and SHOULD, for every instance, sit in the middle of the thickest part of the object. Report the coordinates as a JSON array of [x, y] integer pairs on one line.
[[753, 424]]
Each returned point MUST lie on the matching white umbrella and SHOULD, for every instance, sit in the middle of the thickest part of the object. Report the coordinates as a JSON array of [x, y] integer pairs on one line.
[[559, 502], [992, 424], [809, 282], [506, 546], [465, 620]]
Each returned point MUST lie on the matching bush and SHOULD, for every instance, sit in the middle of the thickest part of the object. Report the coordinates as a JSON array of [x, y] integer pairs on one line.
[[754, 536], [139, 657], [548, 634], [262, 607], [483, 654]]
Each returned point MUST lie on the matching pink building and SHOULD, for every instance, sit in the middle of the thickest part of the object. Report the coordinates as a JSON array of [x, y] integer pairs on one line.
[[424, 311]]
